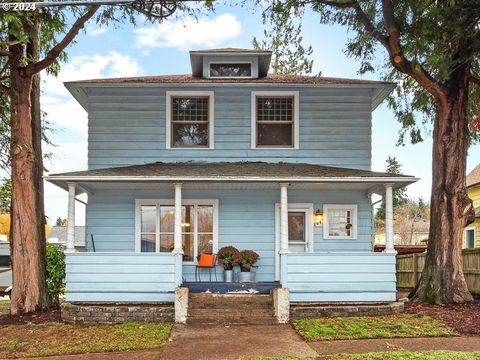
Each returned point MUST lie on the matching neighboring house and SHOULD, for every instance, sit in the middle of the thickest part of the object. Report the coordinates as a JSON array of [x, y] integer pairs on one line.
[[472, 231], [5, 270], [229, 155], [58, 235]]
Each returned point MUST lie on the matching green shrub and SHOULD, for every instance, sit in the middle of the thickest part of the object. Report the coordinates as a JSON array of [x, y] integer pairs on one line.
[[55, 273]]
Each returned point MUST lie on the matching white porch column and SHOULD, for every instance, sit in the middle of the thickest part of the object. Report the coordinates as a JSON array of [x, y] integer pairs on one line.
[[177, 238], [389, 234], [283, 218], [71, 217]]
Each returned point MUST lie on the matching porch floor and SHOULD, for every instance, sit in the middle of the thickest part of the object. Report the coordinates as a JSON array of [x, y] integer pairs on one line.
[[224, 287]]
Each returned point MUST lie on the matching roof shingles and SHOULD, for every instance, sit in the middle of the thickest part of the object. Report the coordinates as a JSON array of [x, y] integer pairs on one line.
[[273, 79], [185, 170]]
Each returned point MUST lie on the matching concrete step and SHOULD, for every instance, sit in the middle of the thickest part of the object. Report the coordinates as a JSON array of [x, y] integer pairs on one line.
[[219, 313], [229, 301], [232, 321], [207, 308]]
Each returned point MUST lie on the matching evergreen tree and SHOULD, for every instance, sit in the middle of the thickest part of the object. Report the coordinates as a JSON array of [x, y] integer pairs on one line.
[[283, 36]]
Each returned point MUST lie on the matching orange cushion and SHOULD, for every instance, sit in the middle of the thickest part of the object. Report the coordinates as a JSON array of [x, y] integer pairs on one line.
[[206, 260]]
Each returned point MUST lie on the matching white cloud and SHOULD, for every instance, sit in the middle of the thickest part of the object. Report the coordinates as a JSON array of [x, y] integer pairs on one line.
[[95, 30], [62, 110], [190, 32]]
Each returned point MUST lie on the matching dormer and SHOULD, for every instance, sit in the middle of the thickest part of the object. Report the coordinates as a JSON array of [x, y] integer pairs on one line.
[[230, 63]]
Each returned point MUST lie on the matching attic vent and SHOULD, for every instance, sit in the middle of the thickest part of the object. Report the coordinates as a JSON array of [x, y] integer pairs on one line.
[[231, 70]]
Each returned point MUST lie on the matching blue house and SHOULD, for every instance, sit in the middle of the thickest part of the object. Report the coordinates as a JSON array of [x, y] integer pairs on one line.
[[230, 155]]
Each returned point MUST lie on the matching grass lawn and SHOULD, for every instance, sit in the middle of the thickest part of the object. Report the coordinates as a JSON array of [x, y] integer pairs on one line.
[[4, 307], [391, 326], [59, 338], [407, 355]]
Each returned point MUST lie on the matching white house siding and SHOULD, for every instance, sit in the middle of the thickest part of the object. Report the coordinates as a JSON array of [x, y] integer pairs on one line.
[[127, 126], [246, 220]]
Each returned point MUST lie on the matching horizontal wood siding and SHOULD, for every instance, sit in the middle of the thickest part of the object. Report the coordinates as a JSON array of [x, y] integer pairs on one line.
[[98, 277], [246, 220], [127, 126], [341, 277]]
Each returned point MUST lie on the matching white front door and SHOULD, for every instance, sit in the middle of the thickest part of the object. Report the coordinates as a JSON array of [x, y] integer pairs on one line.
[[300, 231]]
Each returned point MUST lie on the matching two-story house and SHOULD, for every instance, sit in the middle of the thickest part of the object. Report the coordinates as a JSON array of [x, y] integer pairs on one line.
[[230, 155]]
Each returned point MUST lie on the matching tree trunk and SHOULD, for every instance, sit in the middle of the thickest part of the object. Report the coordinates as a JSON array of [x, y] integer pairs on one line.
[[442, 280], [28, 231]]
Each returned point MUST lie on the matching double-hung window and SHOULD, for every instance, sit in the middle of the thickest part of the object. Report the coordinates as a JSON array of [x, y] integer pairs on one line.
[[189, 119], [275, 119], [340, 221], [155, 226]]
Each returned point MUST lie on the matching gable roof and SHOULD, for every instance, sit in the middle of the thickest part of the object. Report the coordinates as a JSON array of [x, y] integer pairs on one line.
[[473, 177], [60, 233]]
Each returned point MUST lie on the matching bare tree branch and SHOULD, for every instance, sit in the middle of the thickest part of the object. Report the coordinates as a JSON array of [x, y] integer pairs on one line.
[[67, 39], [4, 53], [391, 43]]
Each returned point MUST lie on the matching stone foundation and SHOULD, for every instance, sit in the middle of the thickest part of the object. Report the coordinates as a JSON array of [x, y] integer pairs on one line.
[[112, 313], [306, 310]]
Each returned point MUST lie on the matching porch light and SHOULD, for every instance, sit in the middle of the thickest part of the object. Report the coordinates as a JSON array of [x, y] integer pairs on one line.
[[185, 224], [318, 218]]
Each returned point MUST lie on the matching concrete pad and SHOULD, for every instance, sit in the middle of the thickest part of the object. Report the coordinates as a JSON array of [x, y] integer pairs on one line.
[[232, 342], [409, 344]]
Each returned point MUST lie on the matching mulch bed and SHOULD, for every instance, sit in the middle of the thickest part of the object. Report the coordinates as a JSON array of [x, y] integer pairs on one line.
[[463, 318], [52, 315]]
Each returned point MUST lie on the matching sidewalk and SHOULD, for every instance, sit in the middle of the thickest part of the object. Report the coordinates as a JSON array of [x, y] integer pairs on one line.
[[397, 344], [232, 342]]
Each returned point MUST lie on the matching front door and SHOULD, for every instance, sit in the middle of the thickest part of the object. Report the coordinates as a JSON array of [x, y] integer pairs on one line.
[[300, 231]]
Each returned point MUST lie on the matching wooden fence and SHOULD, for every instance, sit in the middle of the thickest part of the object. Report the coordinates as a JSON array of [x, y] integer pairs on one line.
[[410, 267]]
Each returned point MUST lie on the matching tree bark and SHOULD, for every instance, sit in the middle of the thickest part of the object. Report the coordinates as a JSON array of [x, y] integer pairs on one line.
[[442, 280], [29, 291]]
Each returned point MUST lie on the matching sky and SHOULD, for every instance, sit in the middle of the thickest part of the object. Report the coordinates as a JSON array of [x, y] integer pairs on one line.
[[163, 49]]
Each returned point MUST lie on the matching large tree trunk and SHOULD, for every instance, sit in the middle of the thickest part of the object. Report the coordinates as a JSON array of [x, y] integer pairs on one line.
[[442, 280], [29, 291]]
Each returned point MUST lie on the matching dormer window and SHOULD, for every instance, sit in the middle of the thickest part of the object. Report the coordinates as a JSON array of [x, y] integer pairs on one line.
[[227, 70]]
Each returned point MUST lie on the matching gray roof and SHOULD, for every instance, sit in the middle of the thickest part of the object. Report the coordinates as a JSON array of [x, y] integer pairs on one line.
[[233, 171], [473, 177], [60, 232]]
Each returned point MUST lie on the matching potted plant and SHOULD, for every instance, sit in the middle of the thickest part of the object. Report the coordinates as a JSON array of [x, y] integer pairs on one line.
[[246, 259], [226, 257]]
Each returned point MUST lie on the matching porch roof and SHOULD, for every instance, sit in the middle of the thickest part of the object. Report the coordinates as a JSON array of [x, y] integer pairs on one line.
[[231, 172]]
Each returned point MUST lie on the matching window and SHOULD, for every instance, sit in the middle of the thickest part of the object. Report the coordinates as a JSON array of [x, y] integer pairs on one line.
[[231, 70], [470, 238], [189, 120], [156, 226], [275, 120], [340, 221]]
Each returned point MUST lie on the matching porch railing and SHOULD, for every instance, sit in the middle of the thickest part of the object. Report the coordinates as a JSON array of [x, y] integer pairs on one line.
[[122, 277], [333, 277]]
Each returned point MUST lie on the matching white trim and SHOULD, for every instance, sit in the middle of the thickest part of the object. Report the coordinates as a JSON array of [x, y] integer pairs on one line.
[[168, 118], [472, 227], [296, 118], [308, 209], [230, 62], [170, 202], [234, 178], [353, 208]]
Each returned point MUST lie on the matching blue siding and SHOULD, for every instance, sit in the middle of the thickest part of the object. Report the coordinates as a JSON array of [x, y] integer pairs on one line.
[[341, 277], [246, 220], [97, 277], [127, 126]]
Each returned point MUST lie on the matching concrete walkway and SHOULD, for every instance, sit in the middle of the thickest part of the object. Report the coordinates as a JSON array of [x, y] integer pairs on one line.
[[232, 342]]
